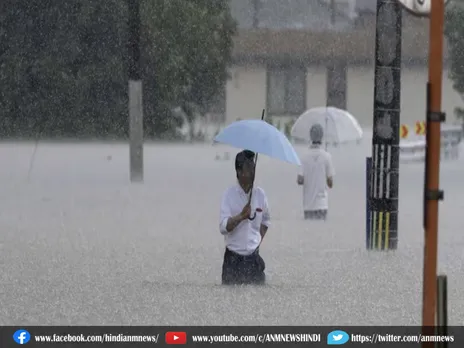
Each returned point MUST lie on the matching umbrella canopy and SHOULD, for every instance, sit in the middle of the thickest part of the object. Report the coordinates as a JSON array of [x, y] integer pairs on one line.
[[339, 125], [260, 137]]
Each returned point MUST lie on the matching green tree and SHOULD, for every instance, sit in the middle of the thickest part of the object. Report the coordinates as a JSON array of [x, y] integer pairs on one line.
[[63, 64], [192, 42], [61, 70], [454, 31]]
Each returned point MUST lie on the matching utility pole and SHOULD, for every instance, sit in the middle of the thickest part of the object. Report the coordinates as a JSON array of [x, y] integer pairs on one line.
[[135, 94], [432, 192], [332, 12], [384, 188], [336, 72], [256, 6]]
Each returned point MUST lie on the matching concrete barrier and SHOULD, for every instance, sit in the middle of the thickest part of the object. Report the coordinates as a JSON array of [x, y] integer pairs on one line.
[[451, 137], [414, 150]]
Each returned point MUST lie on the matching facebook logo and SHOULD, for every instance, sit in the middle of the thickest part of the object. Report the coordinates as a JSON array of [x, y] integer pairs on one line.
[[21, 336]]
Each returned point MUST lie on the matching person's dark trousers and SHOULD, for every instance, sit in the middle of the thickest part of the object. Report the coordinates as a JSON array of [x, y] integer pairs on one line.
[[315, 214], [239, 269]]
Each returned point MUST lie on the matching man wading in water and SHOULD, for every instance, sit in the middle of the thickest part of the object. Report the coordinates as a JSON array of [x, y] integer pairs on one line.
[[243, 236], [317, 177]]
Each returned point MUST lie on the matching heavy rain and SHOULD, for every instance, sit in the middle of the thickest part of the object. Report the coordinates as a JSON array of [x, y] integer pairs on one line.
[[95, 231]]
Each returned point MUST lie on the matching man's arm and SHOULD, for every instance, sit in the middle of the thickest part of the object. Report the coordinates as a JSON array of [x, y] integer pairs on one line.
[[330, 182], [228, 222], [266, 220], [262, 231], [233, 222], [329, 169]]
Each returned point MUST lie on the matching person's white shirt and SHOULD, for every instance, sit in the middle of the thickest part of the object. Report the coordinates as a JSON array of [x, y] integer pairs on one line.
[[316, 168], [245, 238]]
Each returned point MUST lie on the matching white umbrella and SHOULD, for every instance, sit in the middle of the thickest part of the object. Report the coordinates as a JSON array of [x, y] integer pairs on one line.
[[339, 125]]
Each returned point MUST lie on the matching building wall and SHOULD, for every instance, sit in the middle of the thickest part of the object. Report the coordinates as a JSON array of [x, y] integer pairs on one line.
[[246, 93], [296, 14], [316, 86], [413, 95]]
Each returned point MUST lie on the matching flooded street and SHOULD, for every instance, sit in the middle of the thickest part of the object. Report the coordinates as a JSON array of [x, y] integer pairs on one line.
[[80, 245]]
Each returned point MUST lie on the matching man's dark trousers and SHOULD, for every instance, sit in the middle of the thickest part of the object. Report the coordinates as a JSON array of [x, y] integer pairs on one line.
[[315, 214], [240, 269]]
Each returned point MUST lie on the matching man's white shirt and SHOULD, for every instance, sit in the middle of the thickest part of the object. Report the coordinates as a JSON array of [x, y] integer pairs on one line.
[[316, 168], [245, 238]]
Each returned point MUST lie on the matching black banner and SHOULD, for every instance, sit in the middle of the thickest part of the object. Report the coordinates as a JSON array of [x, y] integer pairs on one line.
[[386, 127], [145, 336]]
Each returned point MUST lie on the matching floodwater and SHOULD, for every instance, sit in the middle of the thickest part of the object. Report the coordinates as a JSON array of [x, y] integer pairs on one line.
[[80, 245]]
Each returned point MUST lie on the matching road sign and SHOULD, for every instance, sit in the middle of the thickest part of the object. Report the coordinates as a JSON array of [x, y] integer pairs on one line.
[[404, 131], [420, 128]]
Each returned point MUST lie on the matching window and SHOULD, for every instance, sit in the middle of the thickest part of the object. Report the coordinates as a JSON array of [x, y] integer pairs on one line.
[[286, 91]]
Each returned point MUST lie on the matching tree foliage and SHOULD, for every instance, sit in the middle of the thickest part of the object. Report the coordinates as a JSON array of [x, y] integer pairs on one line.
[[63, 64], [454, 31]]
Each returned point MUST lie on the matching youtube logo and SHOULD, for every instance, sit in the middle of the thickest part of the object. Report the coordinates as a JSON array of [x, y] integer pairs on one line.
[[176, 337]]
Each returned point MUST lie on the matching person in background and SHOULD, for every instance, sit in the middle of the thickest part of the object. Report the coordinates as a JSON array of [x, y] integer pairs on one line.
[[244, 225], [316, 177]]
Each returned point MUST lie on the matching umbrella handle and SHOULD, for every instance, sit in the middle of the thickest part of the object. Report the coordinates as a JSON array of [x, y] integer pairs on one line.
[[251, 218]]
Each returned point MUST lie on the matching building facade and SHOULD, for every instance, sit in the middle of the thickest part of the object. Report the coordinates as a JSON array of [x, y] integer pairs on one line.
[[291, 55], [250, 90]]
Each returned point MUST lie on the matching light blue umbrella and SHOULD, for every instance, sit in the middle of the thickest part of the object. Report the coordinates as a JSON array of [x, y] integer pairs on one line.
[[260, 137]]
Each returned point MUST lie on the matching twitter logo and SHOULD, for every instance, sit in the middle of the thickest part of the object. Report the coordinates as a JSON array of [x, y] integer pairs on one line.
[[337, 337]]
